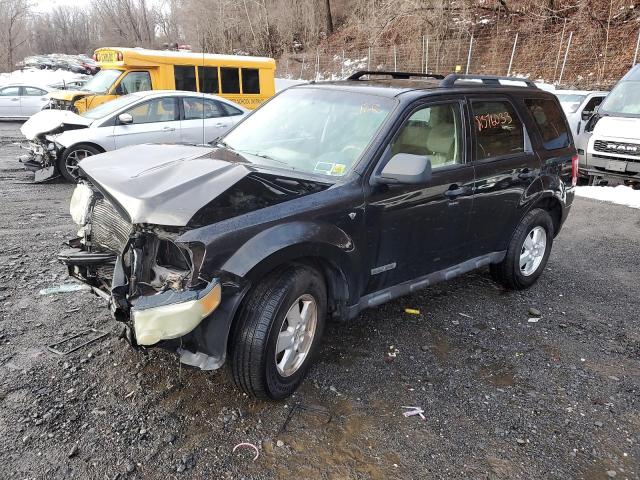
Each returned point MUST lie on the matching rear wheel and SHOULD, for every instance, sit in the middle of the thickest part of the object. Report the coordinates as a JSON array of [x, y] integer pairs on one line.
[[68, 162], [527, 253], [278, 332]]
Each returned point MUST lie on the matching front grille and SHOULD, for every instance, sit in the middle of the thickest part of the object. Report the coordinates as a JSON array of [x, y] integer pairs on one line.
[[617, 148], [109, 231], [619, 159]]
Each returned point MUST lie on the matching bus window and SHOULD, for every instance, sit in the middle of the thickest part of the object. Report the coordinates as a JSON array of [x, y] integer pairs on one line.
[[185, 77], [134, 82], [208, 79], [230, 80], [250, 80]]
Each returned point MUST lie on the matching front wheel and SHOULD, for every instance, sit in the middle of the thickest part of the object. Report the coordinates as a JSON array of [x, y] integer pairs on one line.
[[68, 162], [527, 253], [278, 332]]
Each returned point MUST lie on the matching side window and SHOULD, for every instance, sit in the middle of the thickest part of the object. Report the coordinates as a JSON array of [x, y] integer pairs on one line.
[[158, 110], [208, 79], [230, 80], [592, 104], [498, 129], [231, 110], [433, 131], [250, 80], [135, 82], [550, 121], [34, 92], [185, 77], [199, 108], [10, 92]]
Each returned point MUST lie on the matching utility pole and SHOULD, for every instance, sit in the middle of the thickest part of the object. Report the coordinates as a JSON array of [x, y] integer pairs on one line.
[[328, 16]]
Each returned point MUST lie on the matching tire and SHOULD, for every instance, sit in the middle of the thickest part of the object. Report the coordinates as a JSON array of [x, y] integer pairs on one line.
[[264, 317], [68, 162], [510, 272]]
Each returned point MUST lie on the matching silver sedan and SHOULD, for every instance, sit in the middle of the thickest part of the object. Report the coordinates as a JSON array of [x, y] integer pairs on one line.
[[59, 139], [21, 100]]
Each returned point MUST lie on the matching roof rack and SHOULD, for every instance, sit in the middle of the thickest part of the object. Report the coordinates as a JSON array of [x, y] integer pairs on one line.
[[395, 75], [493, 80]]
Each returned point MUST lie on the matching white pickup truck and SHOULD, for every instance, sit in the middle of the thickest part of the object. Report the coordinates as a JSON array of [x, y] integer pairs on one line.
[[612, 152]]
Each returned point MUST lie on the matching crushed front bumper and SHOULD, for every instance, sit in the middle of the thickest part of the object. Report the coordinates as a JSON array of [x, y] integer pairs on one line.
[[188, 322], [40, 161]]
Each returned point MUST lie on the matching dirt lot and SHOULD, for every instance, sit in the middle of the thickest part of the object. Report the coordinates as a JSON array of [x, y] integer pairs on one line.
[[503, 397]]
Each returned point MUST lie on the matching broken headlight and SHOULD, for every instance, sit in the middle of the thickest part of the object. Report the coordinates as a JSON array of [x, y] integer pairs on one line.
[[80, 203]]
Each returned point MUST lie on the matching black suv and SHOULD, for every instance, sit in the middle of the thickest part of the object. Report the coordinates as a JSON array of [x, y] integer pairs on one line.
[[329, 199]]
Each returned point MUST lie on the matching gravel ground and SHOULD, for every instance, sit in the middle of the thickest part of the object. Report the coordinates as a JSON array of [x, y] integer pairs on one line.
[[504, 397]]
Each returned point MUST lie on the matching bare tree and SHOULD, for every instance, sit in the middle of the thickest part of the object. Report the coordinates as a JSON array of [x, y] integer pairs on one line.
[[13, 32]]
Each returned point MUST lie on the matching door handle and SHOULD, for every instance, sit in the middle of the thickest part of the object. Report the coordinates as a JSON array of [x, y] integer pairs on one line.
[[168, 129], [526, 174], [219, 125], [455, 191], [15, 99]]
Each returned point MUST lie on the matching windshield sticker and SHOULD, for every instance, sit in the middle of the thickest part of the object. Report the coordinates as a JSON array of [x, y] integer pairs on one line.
[[492, 120], [338, 169], [324, 167], [369, 108]]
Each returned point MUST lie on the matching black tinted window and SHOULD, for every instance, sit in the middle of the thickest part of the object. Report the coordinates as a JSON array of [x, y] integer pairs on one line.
[[185, 77], [498, 129], [230, 80], [550, 121], [250, 80], [208, 79]]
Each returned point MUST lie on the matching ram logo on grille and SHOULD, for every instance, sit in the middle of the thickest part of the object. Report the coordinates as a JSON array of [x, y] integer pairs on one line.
[[616, 147], [109, 231]]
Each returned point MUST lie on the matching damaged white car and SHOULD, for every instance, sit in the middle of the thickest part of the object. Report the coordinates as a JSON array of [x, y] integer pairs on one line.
[[59, 139]]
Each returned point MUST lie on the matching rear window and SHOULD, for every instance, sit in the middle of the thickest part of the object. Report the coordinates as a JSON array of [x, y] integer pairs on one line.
[[498, 129], [250, 80], [208, 79], [230, 80], [550, 121], [185, 77]]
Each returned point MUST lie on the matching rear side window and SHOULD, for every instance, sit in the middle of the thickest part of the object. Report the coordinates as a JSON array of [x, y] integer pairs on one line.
[[498, 129], [550, 121], [185, 77], [250, 80], [230, 80], [34, 92], [208, 79], [231, 111], [199, 108]]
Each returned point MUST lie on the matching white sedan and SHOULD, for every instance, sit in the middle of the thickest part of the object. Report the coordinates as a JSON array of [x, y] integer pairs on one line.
[[59, 139], [21, 101]]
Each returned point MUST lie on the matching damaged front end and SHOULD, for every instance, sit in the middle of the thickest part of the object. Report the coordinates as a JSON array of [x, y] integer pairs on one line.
[[151, 281], [41, 157]]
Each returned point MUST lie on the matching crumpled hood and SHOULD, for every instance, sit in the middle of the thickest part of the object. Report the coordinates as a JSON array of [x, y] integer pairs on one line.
[[622, 128], [68, 94], [162, 184], [47, 121]]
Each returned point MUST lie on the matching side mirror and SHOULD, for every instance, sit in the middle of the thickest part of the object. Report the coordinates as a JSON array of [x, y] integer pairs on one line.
[[405, 168], [586, 115], [118, 90], [125, 119]]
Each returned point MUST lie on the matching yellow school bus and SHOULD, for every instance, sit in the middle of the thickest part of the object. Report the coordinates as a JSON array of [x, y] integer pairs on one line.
[[248, 81]]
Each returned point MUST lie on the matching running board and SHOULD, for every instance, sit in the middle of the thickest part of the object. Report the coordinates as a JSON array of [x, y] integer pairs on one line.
[[382, 296]]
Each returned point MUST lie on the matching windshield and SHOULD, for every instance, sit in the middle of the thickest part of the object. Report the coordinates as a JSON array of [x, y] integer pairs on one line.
[[312, 130], [108, 108], [624, 100], [102, 81], [570, 101]]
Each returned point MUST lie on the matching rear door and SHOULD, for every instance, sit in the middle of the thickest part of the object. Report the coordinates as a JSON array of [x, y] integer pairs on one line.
[[154, 121], [203, 120], [10, 102], [505, 166], [32, 100]]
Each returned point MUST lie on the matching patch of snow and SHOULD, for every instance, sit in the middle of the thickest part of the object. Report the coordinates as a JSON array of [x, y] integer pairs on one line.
[[282, 83], [622, 195], [36, 76]]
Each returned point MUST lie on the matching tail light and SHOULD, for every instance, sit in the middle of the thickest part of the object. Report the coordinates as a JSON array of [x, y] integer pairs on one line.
[[119, 56], [574, 170], [95, 57]]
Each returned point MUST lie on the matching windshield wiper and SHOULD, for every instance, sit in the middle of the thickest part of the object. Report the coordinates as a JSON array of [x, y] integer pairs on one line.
[[265, 156]]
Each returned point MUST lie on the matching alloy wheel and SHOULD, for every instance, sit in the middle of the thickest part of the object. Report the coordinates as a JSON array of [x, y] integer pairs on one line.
[[533, 250], [296, 335], [71, 163]]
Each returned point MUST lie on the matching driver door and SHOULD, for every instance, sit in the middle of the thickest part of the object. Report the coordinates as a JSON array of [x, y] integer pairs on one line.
[[154, 121], [414, 230]]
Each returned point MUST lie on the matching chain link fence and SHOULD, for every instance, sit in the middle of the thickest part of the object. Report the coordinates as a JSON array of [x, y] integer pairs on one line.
[[570, 58]]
